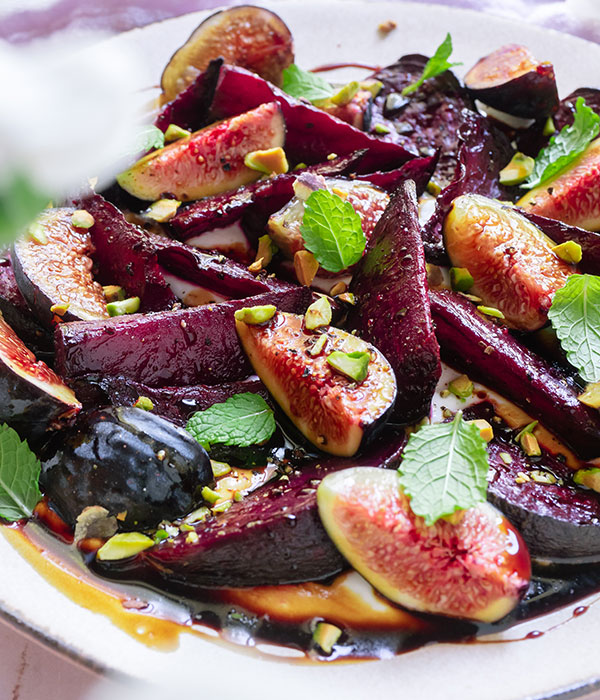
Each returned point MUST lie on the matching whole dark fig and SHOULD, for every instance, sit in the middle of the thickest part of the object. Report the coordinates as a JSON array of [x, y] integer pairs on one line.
[[136, 465]]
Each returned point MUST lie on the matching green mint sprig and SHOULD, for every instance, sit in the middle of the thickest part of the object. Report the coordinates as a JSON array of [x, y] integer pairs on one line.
[[436, 65], [332, 231], [20, 203], [566, 146], [19, 477], [444, 469], [148, 137], [242, 420], [301, 83]]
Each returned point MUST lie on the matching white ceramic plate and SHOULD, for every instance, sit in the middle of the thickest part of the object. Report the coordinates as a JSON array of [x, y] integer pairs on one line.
[[565, 658]]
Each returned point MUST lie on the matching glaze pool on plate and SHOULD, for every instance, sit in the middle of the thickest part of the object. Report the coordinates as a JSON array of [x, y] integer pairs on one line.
[[566, 657]]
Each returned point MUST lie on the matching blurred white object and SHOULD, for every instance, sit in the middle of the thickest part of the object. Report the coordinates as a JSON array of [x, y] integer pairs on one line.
[[588, 8]]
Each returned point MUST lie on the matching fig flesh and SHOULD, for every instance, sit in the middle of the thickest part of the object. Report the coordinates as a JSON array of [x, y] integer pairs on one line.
[[511, 260], [512, 80], [33, 399], [392, 306], [572, 196], [476, 569], [53, 269], [138, 466], [209, 161], [247, 36], [335, 413]]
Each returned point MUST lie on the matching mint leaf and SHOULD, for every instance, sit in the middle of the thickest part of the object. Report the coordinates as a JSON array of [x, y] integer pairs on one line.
[[20, 203], [242, 420], [148, 137], [566, 146], [19, 476], [332, 231], [444, 468], [437, 64], [575, 316], [301, 83]]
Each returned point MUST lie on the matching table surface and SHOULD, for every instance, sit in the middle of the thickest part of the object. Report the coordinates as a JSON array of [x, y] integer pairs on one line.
[[25, 665]]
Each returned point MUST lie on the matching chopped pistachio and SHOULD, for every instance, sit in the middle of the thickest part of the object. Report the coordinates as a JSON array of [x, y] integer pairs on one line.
[[590, 478], [219, 468], [530, 445], [121, 308], [381, 129], [591, 395], [485, 429], [569, 251], [266, 250], [305, 267], [332, 156], [326, 635], [144, 403], [185, 527], [387, 27], [60, 309], [338, 288], [210, 495], [506, 458], [529, 428], [346, 93], [174, 133], [192, 538], [372, 86], [318, 314], [518, 170], [113, 292], [354, 365], [124, 545], [163, 210], [318, 346], [82, 219], [254, 315], [444, 393], [300, 166], [269, 161], [238, 496], [36, 232], [549, 127], [433, 188], [256, 266], [160, 535], [347, 298], [222, 507], [198, 515], [461, 279], [461, 386], [522, 478], [542, 477], [490, 311]]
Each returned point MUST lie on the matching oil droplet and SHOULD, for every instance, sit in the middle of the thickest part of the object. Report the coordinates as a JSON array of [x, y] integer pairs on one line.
[[580, 610], [534, 634]]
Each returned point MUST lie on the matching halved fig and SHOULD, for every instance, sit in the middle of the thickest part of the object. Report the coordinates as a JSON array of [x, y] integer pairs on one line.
[[512, 80], [573, 196], [247, 36], [53, 269], [510, 259], [209, 161], [138, 466], [369, 203], [476, 569], [334, 412], [33, 399]]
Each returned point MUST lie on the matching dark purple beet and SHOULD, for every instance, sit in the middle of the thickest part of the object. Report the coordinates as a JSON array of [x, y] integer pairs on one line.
[[392, 309], [492, 356], [273, 536], [175, 403], [169, 348], [420, 170], [483, 152]]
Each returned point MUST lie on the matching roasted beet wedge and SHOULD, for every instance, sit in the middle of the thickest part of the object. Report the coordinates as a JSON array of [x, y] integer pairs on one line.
[[392, 307], [54, 271], [208, 162], [512, 80], [336, 413], [477, 568], [273, 536], [491, 355], [172, 348], [509, 258], [33, 399]]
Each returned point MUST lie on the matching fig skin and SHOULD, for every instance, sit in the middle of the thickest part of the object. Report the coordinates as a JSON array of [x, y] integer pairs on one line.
[[128, 461], [476, 569], [209, 161], [335, 413], [510, 259], [512, 80], [33, 399], [58, 271], [572, 196]]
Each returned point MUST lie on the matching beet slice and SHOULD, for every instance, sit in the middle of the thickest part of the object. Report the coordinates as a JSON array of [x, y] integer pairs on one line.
[[33, 399], [392, 309], [169, 348], [512, 80], [273, 536], [491, 355]]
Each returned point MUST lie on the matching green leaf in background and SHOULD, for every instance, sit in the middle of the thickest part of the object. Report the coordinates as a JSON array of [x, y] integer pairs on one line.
[[20, 203], [148, 137], [566, 146], [332, 231], [575, 317], [19, 476], [301, 83], [444, 469], [437, 64], [243, 420]]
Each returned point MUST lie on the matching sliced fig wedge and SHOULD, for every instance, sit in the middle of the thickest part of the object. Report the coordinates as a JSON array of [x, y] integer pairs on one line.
[[247, 36], [573, 196], [476, 569], [334, 412], [510, 259], [54, 271], [512, 80], [209, 161], [33, 399]]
